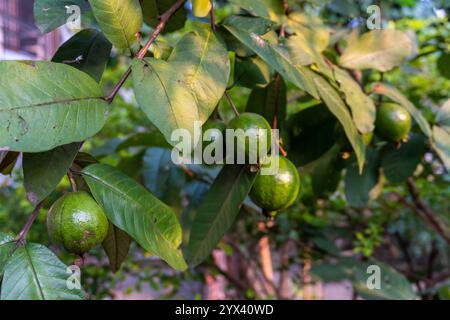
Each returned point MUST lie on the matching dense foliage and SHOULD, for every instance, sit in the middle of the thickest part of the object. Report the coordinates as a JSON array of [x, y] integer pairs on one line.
[[363, 114]]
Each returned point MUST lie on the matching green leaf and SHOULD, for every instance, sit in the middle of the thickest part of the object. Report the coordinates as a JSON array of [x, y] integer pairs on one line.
[[162, 177], [251, 72], [269, 9], [153, 9], [443, 116], [51, 14], [186, 88], [335, 104], [6, 247], [34, 273], [116, 245], [201, 8], [358, 186], [218, 211], [44, 105], [442, 64], [43, 171], [400, 163], [398, 97], [441, 144], [266, 100], [362, 106], [327, 173], [130, 207], [88, 51], [119, 20], [251, 31], [377, 49], [393, 285], [311, 134]]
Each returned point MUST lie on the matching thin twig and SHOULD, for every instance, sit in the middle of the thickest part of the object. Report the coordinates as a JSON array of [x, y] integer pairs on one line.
[[165, 17], [212, 16], [20, 239], [73, 184], [233, 106]]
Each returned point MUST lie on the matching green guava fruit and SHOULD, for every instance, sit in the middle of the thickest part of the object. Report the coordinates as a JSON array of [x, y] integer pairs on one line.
[[77, 223]]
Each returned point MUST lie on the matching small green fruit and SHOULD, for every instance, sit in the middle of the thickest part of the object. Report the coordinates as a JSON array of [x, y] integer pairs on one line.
[[393, 122], [77, 222], [278, 191], [258, 131]]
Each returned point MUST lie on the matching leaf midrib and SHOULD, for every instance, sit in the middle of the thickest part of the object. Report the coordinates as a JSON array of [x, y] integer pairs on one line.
[[50, 103], [134, 201]]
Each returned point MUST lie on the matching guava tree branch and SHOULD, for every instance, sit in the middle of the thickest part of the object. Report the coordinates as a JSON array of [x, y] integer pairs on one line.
[[20, 239], [165, 17]]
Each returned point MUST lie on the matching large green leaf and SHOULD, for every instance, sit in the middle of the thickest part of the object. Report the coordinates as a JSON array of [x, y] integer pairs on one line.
[[335, 104], [8, 161], [119, 20], [34, 273], [443, 116], [162, 177], [116, 245], [441, 143], [136, 211], [88, 51], [393, 285], [6, 247], [44, 105], [251, 32], [186, 88], [266, 100], [398, 97], [377, 49], [218, 211], [269, 9], [400, 163], [362, 106], [43, 171], [153, 9], [327, 173], [51, 14], [144, 139], [311, 134], [251, 72], [358, 186]]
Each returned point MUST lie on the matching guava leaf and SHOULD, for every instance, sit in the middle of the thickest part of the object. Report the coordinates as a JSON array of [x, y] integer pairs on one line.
[[327, 173], [119, 20], [218, 211], [132, 208], [44, 105], [201, 8], [443, 116], [43, 171], [441, 144], [358, 186], [116, 245], [396, 96], [33, 272], [162, 177], [251, 31], [88, 51], [153, 9], [400, 163], [251, 72], [268, 9], [362, 106], [381, 50], [6, 247], [51, 14], [337, 107], [187, 88]]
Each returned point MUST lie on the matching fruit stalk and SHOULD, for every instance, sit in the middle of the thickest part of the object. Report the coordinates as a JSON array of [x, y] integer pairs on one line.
[[26, 228]]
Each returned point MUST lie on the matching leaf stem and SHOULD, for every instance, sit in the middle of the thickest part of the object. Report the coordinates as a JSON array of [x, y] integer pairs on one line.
[[213, 16], [233, 106], [165, 17], [73, 184], [20, 239]]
